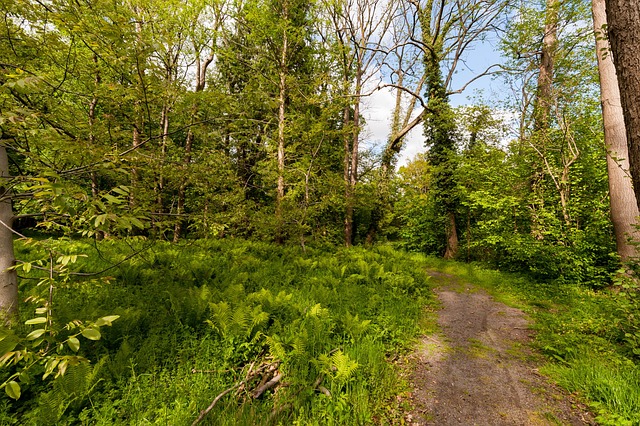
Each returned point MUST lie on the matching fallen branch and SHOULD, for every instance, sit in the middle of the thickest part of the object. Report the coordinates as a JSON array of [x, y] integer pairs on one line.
[[206, 411], [265, 387], [251, 374]]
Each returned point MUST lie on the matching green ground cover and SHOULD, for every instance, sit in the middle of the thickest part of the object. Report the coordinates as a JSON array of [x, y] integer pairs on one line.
[[198, 318]]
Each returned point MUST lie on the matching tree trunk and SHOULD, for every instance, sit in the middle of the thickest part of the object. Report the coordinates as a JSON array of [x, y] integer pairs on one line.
[[348, 198], [201, 82], [281, 127], [542, 113], [452, 237], [92, 137], [623, 18], [177, 229], [624, 210], [544, 97], [8, 278]]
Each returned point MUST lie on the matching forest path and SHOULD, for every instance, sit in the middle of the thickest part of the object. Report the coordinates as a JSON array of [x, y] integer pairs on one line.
[[479, 370]]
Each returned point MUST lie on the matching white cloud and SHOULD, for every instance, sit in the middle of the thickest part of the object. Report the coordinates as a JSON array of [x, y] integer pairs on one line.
[[377, 110]]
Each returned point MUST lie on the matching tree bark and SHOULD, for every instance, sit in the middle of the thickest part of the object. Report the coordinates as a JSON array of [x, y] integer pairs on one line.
[[544, 96], [282, 87], [348, 217], [8, 278], [452, 237], [623, 18], [624, 209]]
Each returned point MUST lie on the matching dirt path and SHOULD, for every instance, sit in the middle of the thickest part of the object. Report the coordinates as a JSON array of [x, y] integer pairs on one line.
[[479, 369]]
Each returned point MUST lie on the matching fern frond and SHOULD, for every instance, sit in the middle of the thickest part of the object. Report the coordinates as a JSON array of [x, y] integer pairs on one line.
[[344, 366], [276, 348], [220, 317], [317, 311]]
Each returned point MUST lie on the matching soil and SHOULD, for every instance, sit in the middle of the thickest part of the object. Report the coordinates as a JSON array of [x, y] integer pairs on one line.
[[480, 370]]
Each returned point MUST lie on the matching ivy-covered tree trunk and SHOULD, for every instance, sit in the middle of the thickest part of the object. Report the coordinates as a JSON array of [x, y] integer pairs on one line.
[[439, 131], [544, 95], [624, 210], [623, 19], [8, 277]]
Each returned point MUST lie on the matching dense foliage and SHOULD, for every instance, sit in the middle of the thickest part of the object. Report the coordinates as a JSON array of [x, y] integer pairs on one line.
[[194, 317]]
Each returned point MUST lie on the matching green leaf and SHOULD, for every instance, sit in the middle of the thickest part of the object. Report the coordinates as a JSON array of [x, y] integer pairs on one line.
[[25, 377], [74, 344], [62, 367], [26, 267], [38, 320], [91, 334], [50, 365], [107, 320], [110, 198], [35, 334], [137, 223], [13, 389]]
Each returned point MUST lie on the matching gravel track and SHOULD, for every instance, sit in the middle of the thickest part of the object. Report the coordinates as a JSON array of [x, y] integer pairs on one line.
[[479, 370]]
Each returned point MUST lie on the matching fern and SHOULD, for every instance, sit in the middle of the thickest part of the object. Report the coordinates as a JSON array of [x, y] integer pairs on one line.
[[339, 365], [276, 347], [354, 326], [221, 317], [344, 366], [69, 390], [317, 311]]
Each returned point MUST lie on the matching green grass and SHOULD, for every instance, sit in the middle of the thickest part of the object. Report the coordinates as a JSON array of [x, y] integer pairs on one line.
[[194, 317], [589, 337]]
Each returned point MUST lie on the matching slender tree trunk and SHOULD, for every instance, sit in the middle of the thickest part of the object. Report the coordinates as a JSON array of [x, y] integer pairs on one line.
[[623, 19], [177, 229], [624, 209], [352, 143], [92, 137], [164, 121], [281, 127], [136, 142], [8, 278], [348, 217], [138, 121], [201, 82], [542, 112]]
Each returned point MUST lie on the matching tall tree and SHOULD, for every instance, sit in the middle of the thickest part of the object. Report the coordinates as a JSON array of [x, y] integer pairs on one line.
[[624, 209], [8, 276], [427, 33], [359, 28], [623, 28]]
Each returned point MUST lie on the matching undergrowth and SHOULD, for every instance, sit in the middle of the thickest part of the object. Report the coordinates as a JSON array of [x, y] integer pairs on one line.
[[204, 317], [590, 337]]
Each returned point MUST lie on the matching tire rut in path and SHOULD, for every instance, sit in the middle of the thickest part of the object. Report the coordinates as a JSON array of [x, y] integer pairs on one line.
[[478, 370]]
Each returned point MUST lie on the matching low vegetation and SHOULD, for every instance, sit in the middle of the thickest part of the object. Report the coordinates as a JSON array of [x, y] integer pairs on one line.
[[275, 335]]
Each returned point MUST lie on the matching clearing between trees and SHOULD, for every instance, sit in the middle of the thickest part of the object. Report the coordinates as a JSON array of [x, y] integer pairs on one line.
[[479, 369]]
